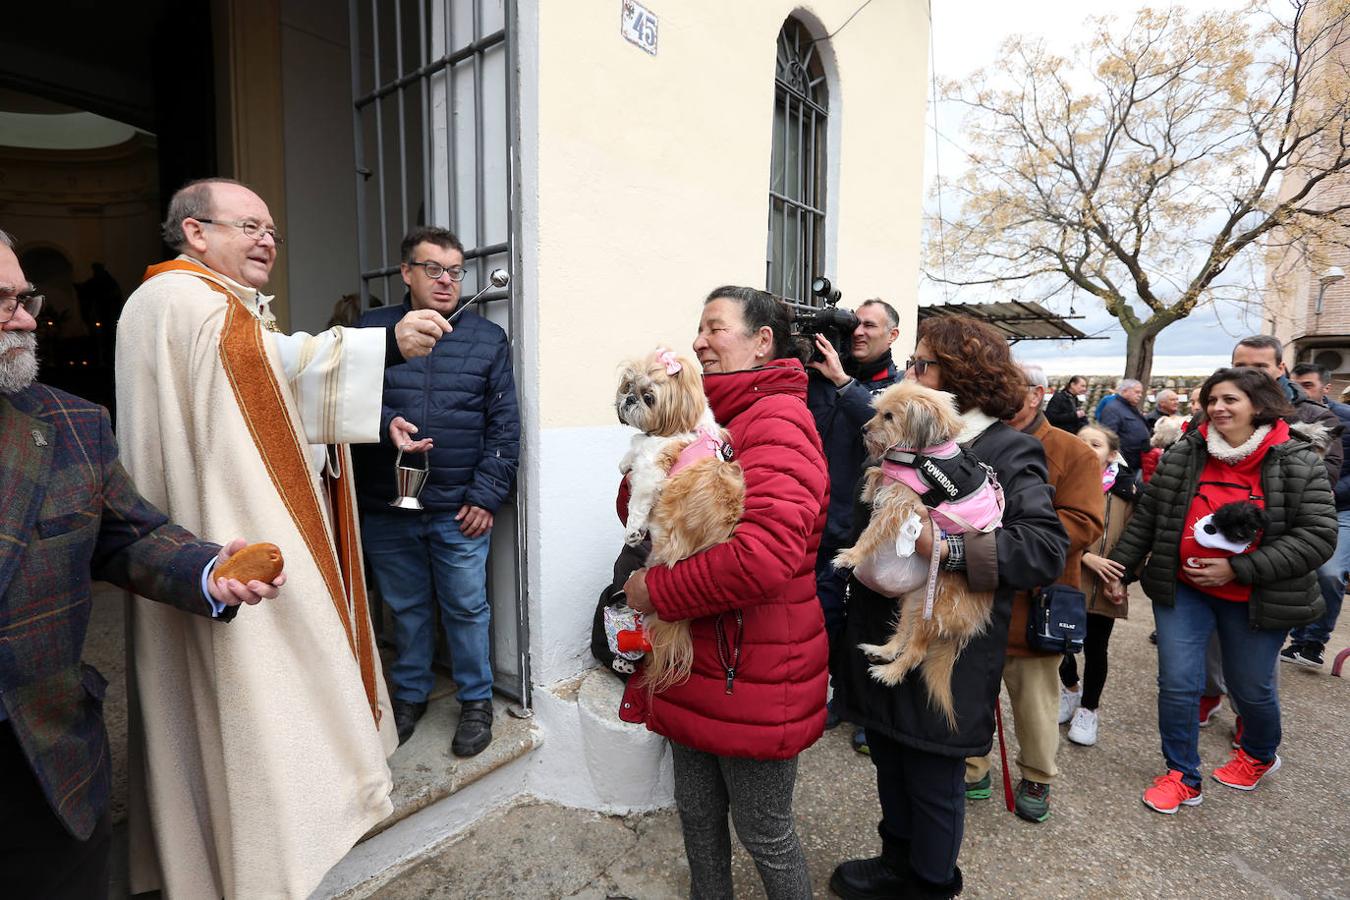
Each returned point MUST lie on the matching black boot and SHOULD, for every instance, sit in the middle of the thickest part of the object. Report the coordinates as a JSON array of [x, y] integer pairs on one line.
[[879, 878], [927, 890], [405, 718], [474, 731]]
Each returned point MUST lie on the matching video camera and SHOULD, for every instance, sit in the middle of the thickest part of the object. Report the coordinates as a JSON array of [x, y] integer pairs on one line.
[[836, 324]]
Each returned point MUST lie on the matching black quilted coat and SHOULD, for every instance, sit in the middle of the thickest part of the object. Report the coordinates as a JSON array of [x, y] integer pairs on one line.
[[1027, 551], [1282, 570]]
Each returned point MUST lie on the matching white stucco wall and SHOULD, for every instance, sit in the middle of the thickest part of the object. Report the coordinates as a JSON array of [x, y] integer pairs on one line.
[[645, 185]]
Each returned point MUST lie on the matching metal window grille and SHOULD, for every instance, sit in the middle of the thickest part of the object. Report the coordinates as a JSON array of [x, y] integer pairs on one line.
[[435, 122], [796, 245]]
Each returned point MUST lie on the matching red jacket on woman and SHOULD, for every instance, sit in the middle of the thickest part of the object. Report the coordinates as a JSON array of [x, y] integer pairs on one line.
[[756, 593]]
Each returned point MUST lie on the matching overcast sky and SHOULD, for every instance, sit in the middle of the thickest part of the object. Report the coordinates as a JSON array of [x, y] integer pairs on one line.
[[966, 37]]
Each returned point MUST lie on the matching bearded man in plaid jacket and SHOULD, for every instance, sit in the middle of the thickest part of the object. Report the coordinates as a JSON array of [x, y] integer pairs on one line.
[[69, 514]]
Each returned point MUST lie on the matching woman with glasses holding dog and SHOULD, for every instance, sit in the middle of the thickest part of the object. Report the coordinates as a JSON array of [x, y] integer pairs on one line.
[[1233, 525], [755, 697], [919, 758]]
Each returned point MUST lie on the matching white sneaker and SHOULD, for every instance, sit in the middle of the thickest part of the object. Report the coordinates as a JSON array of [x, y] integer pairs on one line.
[[1083, 731], [1068, 702]]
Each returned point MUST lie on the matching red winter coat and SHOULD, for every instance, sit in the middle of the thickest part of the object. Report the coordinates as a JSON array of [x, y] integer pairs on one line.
[[765, 575], [1149, 462]]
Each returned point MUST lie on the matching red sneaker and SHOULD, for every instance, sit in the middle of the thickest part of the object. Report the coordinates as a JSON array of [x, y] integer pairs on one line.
[[1244, 771], [1237, 733], [1169, 792], [1208, 706]]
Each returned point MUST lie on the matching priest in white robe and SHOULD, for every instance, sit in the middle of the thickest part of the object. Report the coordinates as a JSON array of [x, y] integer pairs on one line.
[[257, 751]]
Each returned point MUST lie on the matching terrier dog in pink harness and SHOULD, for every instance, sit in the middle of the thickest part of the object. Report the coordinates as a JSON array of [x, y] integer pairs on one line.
[[924, 480], [684, 489], [961, 493]]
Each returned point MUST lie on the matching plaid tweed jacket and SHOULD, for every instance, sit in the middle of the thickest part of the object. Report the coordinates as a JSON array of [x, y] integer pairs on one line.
[[70, 514]]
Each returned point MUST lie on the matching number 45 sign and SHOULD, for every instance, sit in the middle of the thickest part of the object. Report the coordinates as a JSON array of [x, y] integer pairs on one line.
[[639, 25]]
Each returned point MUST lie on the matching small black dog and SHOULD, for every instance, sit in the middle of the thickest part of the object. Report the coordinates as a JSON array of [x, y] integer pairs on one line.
[[1233, 526]]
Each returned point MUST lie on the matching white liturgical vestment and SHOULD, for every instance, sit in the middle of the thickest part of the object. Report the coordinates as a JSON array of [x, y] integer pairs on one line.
[[258, 746]]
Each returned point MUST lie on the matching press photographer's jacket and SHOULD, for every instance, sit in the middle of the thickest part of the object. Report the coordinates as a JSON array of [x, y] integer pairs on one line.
[[840, 415]]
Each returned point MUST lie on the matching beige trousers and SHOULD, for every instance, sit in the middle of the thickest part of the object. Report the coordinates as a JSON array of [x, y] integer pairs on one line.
[[1033, 686]]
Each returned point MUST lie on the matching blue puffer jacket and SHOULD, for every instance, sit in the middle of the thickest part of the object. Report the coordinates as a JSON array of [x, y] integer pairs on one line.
[[463, 397], [1128, 423]]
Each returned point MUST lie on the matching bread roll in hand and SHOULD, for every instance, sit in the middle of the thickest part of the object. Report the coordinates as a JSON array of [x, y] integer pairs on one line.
[[256, 562]]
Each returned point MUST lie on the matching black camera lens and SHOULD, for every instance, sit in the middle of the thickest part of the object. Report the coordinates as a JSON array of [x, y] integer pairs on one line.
[[821, 287]]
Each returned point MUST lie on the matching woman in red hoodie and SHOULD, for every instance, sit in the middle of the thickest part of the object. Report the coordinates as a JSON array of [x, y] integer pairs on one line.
[[1249, 585], [756, 695]]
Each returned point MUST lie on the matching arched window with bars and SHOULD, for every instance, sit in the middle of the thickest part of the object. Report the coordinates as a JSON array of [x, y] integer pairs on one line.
[[797, 172]]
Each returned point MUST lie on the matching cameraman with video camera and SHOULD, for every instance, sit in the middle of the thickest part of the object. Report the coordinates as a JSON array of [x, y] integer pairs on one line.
[[839, 395]]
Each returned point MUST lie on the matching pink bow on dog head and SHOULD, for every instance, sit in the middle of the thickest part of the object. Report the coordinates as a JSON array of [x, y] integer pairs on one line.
[[667, 358]]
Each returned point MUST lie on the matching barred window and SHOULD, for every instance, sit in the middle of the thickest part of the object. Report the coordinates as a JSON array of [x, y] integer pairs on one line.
[[435, 118], [796, 244]]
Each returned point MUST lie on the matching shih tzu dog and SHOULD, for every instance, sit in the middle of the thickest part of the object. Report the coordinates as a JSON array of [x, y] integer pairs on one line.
[[914, 435], [685, 492]]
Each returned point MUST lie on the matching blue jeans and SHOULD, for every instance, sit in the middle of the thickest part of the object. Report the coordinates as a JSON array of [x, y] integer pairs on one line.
[[1248, 668], [419, 560], [1331, 579]]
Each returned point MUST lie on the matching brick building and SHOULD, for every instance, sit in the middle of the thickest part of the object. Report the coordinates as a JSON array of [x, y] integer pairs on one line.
[[1307, 297]]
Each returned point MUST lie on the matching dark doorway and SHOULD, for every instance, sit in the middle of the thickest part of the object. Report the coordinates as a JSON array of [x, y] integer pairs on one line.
[[104, 112]]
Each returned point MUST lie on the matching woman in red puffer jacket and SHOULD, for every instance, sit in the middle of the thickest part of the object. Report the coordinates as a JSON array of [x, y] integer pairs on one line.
[[756, 695]]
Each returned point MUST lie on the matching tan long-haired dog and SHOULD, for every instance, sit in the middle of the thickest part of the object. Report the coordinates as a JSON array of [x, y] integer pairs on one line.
[[911, 416], [684, 490]]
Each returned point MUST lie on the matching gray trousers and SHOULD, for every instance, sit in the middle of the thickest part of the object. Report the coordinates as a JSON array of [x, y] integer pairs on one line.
[[758, 794]]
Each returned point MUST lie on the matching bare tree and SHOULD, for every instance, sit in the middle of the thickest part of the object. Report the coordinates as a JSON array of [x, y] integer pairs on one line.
[[1141, 169]]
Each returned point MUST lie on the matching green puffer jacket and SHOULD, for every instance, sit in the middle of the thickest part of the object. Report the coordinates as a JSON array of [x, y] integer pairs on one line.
[[1282, 570]]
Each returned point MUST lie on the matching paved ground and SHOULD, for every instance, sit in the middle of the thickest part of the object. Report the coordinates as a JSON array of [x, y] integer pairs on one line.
[[1287, 840]]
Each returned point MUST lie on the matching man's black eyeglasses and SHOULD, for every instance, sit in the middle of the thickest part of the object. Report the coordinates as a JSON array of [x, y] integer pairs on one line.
[[435, 270], [31, 303]]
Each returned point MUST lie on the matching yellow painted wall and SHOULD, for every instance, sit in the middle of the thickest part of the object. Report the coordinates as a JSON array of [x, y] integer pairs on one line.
[[653, 173]]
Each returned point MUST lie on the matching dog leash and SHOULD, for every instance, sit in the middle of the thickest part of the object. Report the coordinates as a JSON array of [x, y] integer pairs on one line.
[[933, 559], [1003, 755]]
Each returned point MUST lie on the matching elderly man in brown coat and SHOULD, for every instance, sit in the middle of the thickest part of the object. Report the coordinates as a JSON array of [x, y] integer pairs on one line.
[[1033, 678]]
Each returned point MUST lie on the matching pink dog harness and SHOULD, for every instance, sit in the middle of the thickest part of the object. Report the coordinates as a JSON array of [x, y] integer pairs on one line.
[[962, 492], [708, 443]]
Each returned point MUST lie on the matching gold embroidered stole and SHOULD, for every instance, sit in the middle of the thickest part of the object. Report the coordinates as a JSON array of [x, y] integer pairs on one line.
[[285, 454]]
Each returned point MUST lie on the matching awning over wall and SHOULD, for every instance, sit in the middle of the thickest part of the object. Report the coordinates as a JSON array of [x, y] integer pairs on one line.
[[1017, 319]]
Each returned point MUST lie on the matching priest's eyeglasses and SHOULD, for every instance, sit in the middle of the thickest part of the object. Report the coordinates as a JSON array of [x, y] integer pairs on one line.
[[250, 228], [435, 270], [30, 301]]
